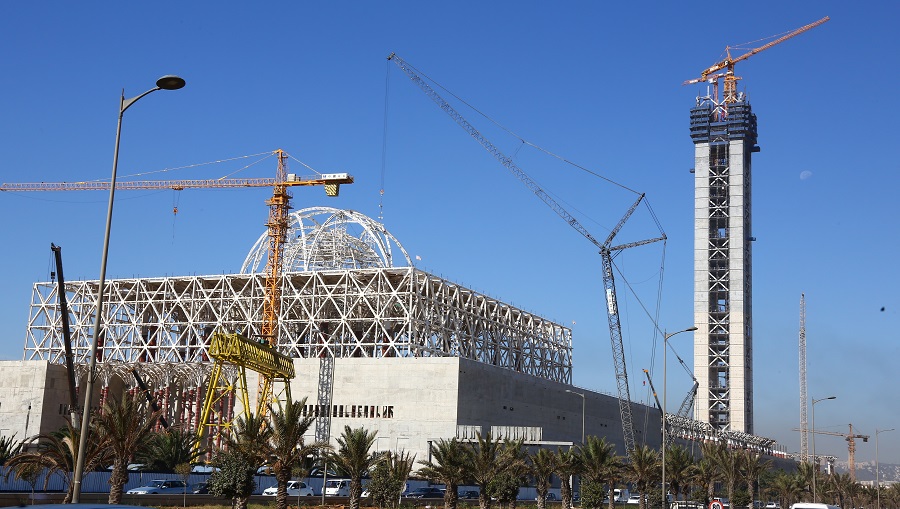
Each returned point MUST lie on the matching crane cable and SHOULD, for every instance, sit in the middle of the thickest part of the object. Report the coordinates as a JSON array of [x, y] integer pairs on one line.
[[384, 128], [521, 139]]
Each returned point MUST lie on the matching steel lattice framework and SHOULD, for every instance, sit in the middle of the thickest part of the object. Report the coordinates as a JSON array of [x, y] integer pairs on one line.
[[342, 296], [384, 312]]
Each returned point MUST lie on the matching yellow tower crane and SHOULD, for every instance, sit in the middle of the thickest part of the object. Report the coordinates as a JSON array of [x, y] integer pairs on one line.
[[851, 446], [728, 77], [234, 349]]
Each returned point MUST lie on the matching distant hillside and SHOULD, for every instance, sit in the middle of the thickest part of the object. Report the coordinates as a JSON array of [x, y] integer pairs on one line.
[[865, 470]]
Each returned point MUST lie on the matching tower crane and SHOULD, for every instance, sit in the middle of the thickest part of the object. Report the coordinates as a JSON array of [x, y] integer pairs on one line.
[[851, 446], [711, 74], [607, 249], [236, 349]]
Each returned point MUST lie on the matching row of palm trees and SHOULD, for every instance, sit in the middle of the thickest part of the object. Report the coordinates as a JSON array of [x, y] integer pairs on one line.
[[123, 432]]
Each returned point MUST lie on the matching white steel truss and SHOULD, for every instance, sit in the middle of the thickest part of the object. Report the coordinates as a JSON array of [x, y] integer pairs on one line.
[[384, 312]]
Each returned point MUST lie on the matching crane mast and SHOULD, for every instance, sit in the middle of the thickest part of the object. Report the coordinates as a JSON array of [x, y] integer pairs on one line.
[[804, 423], [606, 248]]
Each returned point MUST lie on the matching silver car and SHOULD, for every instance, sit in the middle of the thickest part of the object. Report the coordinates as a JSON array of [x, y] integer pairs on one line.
[[159, 486]]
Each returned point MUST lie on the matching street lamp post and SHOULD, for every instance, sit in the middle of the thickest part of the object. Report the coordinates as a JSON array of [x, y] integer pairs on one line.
[[164, 83], [582, 412], [816, 459], [877, 476], [665, 491]]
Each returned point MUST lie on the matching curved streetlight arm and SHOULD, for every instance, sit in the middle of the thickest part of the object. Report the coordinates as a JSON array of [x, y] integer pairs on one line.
[[666, 336], [815, 459], [164, 83]]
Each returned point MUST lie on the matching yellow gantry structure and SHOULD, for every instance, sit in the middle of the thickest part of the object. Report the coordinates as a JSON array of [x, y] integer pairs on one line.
[[243, 354]]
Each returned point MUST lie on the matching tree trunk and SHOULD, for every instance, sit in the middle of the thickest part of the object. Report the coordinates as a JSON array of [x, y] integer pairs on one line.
[[281, 497], [117, 480], [355, 492], [565, 492], [451, 497], [484, 500]]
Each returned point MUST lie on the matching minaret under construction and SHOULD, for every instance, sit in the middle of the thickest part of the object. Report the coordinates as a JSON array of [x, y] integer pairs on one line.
[[724, 136]]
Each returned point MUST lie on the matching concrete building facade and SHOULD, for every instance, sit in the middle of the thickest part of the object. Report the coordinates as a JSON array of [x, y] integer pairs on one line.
[[724, 140]]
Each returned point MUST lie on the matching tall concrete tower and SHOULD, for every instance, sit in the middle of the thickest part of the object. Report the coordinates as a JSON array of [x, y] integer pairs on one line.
[[724, 136]]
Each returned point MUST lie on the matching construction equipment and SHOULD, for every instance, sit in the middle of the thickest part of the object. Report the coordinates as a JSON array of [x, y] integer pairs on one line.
[[729, 78], [606, 248], [66, 333], [241, 352], [851, 446], [804, 423]]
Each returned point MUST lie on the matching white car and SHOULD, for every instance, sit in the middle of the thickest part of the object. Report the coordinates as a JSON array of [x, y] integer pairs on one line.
[[159, 486], [294, 489]]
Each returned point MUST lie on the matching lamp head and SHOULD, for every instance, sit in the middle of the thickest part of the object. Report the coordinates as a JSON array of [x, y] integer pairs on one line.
[[170, 82]]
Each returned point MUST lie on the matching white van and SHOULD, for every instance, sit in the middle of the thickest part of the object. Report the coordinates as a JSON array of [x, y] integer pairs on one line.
[[811, 505], [620, 496], [337, 488]]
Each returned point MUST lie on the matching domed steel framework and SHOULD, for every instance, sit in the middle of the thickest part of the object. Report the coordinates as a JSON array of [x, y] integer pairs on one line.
[[325, 238]]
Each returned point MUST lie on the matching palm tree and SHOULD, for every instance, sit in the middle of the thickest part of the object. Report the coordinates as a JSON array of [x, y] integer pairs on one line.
[[128, 426], [730, 462], [596, 455], [486, 461], [568, 464], [286, 447], [710, 459], [169, 448], [678, 469], [787, 487], [389, 477], [542, 467], [515, 469], [448, 465], [354, 459], [752, 466], [806, 471], [9, 447], [613, 471], [247, 443], [643, 470], [704, 474], [57, 452]]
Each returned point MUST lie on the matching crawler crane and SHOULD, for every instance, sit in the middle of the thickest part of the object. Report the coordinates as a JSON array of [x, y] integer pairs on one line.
[[607, 249]]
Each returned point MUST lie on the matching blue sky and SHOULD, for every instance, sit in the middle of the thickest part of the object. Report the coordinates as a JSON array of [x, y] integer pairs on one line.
[[598, 83]]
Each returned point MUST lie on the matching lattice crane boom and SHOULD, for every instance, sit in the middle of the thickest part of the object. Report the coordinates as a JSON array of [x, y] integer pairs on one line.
[[606, 249]]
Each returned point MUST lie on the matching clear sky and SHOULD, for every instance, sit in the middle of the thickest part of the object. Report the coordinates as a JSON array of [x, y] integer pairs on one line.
[[598, 83]]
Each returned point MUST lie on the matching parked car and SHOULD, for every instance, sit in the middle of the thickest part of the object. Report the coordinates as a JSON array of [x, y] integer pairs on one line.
[[467, 494], [337, 488], [159, 486], [635, 498], [773, 505], [549, 496], [294, 489], [428, 492], [200, 488]]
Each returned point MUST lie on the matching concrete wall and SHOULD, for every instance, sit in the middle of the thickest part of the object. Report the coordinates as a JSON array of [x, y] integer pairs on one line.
[[434, 397], [33, 398]]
